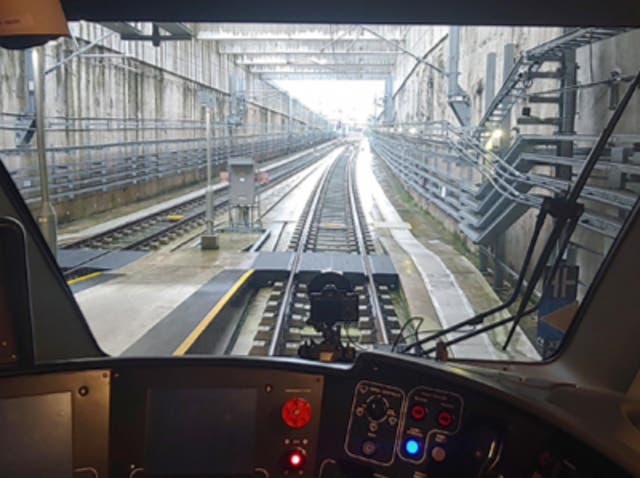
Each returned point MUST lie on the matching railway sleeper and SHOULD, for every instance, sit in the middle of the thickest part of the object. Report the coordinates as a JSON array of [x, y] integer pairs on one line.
[[259, 350], [265, 335], [365, 323], [267, 321]]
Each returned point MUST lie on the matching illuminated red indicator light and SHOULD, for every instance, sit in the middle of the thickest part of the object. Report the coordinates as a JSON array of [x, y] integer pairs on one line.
[[295, 459], [418, 412], [296, 412], [445, 418]]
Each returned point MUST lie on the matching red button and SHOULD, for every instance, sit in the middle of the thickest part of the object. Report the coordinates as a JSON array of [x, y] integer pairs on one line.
[[296, 412], [418, 412], [445, 418]]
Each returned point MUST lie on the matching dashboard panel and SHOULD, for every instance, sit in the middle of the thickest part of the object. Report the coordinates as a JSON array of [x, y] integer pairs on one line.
[[384, 416]]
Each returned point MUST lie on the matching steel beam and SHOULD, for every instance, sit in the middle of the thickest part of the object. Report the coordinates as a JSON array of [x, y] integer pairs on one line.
[[123, 28], [334, 69], [302, 32], [327, 75], [177, 29], [386, 58], [273, 47]]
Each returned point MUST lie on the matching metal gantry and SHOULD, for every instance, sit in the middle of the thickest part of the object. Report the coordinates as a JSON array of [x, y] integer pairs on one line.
[[528, 67], [313, 51]]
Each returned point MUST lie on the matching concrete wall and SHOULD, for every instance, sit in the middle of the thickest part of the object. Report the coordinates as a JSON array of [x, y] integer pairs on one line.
[[421, 96], [124, 91]]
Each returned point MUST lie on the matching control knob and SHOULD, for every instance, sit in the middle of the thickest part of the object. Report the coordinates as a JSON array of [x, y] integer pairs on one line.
[[377, 407]]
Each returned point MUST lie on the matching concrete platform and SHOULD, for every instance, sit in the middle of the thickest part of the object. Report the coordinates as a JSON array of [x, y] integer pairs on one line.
[[124, 305], [123, 309], [98, 259], [448, 301], [72, 258], [202, 323], [89, 280]]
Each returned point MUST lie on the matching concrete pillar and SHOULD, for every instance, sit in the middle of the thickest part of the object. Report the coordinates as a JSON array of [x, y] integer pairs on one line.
[[453, 58], [388, 100], [490, 80], [457, 97], [509, 57]]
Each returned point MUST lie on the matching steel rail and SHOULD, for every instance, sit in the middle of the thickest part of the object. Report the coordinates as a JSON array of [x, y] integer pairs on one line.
[[185, 222], [279, 327], [383, 336]]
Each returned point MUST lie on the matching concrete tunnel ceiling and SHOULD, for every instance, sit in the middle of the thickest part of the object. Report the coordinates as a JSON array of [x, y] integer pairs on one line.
[[309, 51], [295, 51]]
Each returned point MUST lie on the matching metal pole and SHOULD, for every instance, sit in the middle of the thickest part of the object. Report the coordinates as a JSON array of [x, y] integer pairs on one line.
[[499, 244], [289, 124], [567, 110], [388, 100], [47, 215], [209, 239], [209, 195]]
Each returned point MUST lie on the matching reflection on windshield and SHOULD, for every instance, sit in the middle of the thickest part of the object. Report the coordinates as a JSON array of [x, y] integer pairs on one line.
[[319, 190]]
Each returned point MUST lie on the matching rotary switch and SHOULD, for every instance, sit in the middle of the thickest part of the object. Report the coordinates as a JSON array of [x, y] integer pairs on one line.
[[377, 407]]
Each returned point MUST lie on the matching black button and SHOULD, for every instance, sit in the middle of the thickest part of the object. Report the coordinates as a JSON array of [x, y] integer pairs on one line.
[[369, 448]]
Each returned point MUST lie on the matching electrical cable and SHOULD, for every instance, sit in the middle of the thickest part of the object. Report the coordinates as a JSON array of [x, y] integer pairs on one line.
[[396, 341]]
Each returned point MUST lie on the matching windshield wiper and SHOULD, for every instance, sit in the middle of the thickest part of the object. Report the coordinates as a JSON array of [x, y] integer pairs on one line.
[[567, 211]]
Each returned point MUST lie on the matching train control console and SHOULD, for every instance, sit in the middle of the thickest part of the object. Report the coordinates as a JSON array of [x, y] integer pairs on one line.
[[383, 416]]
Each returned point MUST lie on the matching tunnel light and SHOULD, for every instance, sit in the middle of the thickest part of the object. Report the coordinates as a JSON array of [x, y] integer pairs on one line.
[[497, 134], [413, 131]]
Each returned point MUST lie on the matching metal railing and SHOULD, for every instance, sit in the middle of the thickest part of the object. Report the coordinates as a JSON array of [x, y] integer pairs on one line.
[[89, 168], [489, 193]]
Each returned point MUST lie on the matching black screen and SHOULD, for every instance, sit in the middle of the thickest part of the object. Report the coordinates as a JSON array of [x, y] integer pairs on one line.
[[201, 431], [36, 436]]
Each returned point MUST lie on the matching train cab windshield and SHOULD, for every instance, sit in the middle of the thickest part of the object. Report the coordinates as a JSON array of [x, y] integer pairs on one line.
[[236, 246]]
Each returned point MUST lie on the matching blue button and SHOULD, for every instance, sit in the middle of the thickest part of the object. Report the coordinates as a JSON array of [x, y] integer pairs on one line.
[[412, 446]]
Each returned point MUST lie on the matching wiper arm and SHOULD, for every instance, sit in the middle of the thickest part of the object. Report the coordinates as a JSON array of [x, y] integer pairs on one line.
[[567, 212], [482, 330]]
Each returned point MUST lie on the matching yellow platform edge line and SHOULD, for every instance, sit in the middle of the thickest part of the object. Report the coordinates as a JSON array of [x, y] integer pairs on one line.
[[85, 277], [204, 323]]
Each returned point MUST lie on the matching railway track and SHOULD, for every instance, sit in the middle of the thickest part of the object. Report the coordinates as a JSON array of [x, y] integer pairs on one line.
[[162, 227], [332, 222]]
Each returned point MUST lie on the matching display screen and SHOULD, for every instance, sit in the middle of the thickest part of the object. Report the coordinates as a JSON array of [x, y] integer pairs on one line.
[[36, 433], [201, 431]]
